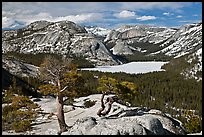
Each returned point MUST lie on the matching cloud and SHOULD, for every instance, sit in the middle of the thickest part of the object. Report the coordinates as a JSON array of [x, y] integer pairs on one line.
[[59, 8], [144, 18], [75, 8], [81, 18], [7, 13], [179, 16], [190, 21], [78, 12], [125, 14], [88, 12], [174, 6], [29, 18], [167, 14], [195, 15], [7, 22]]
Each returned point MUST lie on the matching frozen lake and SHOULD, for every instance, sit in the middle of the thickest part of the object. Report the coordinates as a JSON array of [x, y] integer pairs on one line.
[[131, 68]]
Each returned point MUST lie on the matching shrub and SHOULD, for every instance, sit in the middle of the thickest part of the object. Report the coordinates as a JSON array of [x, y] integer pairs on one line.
[[18, 118], [193, 125], [193, 122], [7, 97], [22, 126], [19, 113], [89, 103]]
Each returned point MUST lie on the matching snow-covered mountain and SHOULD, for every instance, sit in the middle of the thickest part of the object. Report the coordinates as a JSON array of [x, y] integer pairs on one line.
[[145, 33], [68, 38], [63, 37], [172, 41], [187, 39], [195, 70], [131, 34], [98, 30]]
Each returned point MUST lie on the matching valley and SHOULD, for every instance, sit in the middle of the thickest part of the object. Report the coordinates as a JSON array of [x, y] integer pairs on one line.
[[164, 63]]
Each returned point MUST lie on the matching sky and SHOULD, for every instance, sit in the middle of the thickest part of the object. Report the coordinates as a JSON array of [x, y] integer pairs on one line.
[[103, 14]]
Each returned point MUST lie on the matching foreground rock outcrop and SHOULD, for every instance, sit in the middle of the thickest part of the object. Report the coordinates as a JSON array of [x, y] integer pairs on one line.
[[124, 120], [129, 125], [121, 120]]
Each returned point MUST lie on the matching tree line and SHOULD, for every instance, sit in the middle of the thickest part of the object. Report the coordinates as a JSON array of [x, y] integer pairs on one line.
[[167, 91]]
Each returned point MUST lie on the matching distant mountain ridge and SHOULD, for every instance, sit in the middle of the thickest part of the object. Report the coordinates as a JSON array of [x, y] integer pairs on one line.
[[187, 39], [63, 37], [103, 46], [172, 41], [98, 30]]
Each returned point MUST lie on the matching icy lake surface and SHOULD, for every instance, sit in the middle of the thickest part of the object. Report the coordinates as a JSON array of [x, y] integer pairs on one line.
[[131, 68]]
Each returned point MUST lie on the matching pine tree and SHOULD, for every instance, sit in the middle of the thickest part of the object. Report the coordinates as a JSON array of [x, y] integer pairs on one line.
[[62, 79], [20, 111], [122, 90]]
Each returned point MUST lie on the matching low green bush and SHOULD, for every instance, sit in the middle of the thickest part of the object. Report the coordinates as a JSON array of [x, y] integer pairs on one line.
[[22, 126], [18, 112], [89, 103], [193, 123]]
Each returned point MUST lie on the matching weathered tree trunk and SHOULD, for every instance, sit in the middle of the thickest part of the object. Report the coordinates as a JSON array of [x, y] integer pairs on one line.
[[102, 110], [110, 101], [60, 114], [108, 110], [102, 106]]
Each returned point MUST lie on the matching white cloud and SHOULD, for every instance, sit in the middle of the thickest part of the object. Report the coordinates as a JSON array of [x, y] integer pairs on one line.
[[28, 18], [125, 14], [8, 14], [7, 22], [82, 12], [195, 15], [167, 14], [179, 16], [175, 6], [144, 18], [73, 8], [81, 18], [190, 21]]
